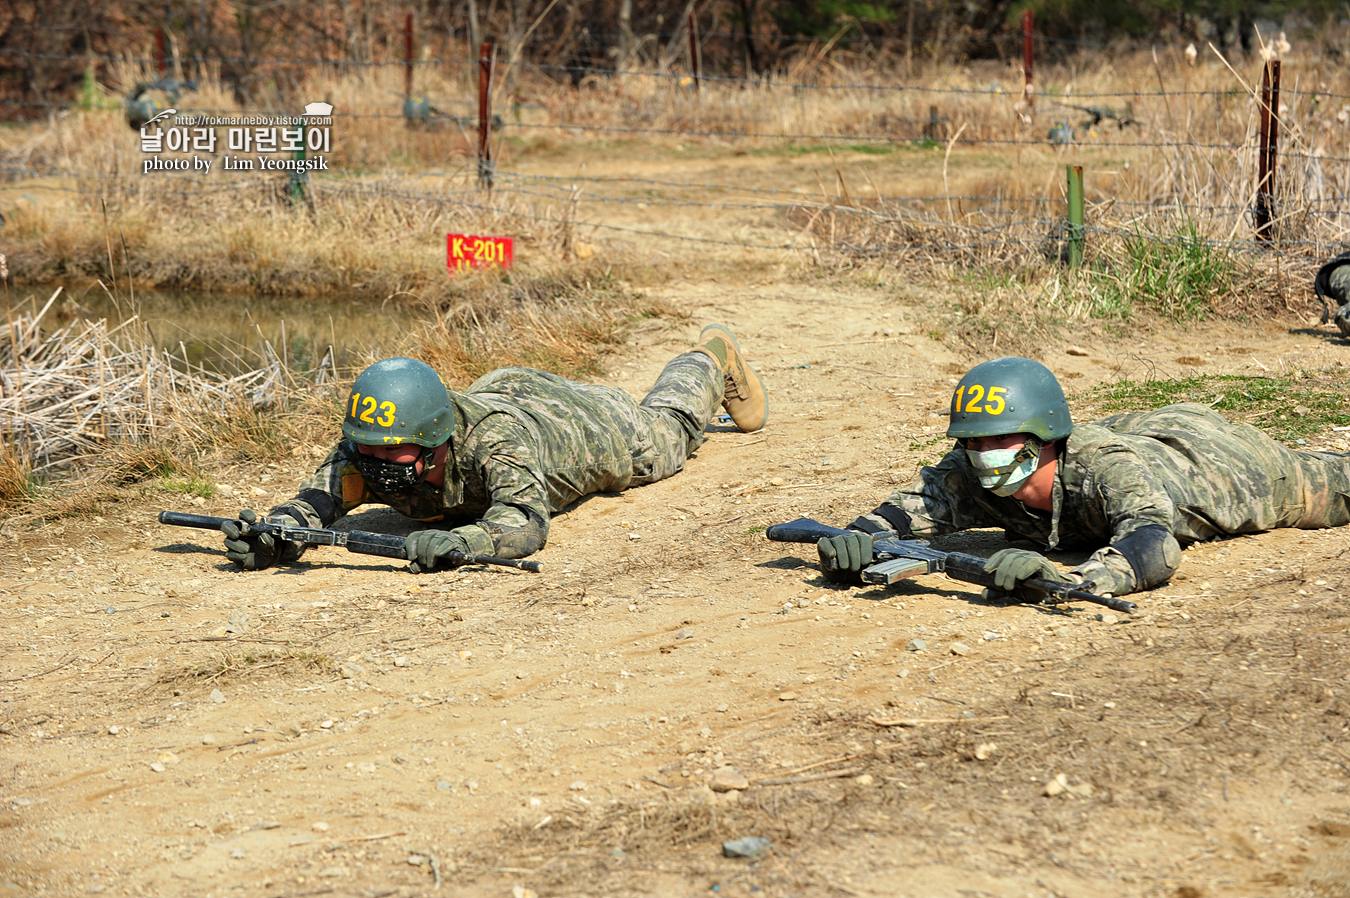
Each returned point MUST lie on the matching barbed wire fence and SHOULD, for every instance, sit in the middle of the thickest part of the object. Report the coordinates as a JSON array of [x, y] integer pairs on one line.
[[1240, 192]]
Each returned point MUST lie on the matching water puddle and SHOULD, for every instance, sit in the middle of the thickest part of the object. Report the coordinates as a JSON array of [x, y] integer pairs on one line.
[[226, 332]]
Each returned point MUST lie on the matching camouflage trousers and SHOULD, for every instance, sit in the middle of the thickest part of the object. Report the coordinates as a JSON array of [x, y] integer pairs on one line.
[[667, 426]]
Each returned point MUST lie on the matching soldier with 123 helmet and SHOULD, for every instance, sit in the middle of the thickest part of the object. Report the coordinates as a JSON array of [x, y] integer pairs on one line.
[[1135, 487], [498, 460]]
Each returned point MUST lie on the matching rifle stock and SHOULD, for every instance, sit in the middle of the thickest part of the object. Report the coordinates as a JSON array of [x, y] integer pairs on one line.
[[900, 559]]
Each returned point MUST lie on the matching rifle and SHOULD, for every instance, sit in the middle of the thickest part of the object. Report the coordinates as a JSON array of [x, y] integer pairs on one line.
[[362, 542], [899, 559]]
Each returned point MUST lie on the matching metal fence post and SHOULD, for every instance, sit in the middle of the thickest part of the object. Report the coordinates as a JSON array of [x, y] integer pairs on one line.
[[300, 175], [1028, 90], [408, 58], [161, 53], [693, 48], [1267, 152], [1077, 219], [486, 56]]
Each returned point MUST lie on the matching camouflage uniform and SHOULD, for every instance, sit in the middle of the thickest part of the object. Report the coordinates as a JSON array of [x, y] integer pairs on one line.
[[527, 444], [1333, 282], [1182, 467]]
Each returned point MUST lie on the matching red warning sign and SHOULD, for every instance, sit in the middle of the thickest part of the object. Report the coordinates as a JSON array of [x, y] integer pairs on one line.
[[470, 251]]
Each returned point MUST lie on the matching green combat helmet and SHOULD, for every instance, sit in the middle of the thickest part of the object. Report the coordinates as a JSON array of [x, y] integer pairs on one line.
[[399, 401], [1009, 395]]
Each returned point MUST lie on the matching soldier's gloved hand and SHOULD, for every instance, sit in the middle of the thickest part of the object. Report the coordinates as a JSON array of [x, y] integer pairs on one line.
[[428, 549], [254, 551], [1011, 567], [843, 557]]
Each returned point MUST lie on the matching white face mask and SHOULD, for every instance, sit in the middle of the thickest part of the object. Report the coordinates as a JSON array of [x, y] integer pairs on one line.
[[1003, 471]]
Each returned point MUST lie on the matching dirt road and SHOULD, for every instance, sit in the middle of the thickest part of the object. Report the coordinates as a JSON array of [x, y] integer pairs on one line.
[[170, 726]]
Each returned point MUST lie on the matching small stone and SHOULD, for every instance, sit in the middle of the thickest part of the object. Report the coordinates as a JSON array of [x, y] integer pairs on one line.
[[722, 708], [168, 758], [985, 750], [750, 846], [442, 785], [1108, 618], [217, 696], [1057, 785], [113, 731], [521, 891], [684, 633], [319, 827], [416, 860], [402, 661], [1301, 410], [21, 802], [237, 854], [578, 786], [902, 672], [326, 725], [635, 536], [960, 648], [727, 779], [351, 671], [208, 739], [157, 767], [1075, 350], [916, 645], [788, 696], [864, 780]]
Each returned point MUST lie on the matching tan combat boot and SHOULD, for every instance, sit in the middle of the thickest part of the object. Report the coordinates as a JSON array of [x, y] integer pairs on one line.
[[743, 394]]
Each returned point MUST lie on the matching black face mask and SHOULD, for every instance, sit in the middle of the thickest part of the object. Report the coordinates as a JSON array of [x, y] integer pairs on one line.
[[390, 477]]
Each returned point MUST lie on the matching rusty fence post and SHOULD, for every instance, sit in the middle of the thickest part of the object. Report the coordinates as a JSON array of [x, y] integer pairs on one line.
[[1267, 151], [1028, 88], [161, 53], [486, 58], [408, 58], [693, 48]]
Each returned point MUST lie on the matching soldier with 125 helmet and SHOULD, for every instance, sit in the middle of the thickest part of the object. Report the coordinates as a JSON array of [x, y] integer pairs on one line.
[[1134, 488], [491, 465]]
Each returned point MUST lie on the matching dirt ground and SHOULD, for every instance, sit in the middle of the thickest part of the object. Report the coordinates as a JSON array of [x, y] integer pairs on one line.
[[170, 726]]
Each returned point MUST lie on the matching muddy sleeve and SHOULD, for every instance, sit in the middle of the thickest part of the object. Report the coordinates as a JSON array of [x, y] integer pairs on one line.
[[335, 488], [1143, 552], [939, 501], [516, 522]]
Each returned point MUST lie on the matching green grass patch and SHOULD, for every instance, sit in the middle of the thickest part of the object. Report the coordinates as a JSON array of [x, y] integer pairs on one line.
[[755, 531], [1178, 275], [920, 445], [189, 486], [866, 149], [1289, 409]]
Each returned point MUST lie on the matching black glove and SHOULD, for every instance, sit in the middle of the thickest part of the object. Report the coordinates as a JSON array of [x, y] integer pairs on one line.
[[843, 557], [1011, 567], [254, 551], [427, 550]]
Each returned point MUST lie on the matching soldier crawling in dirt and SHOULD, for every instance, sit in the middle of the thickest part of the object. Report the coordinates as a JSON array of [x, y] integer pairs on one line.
[[500, 458], [1134, 487], [1333, 282]]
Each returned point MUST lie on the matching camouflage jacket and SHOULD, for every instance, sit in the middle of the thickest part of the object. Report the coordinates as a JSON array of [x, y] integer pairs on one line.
[[1183, 467], [526, 445]]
